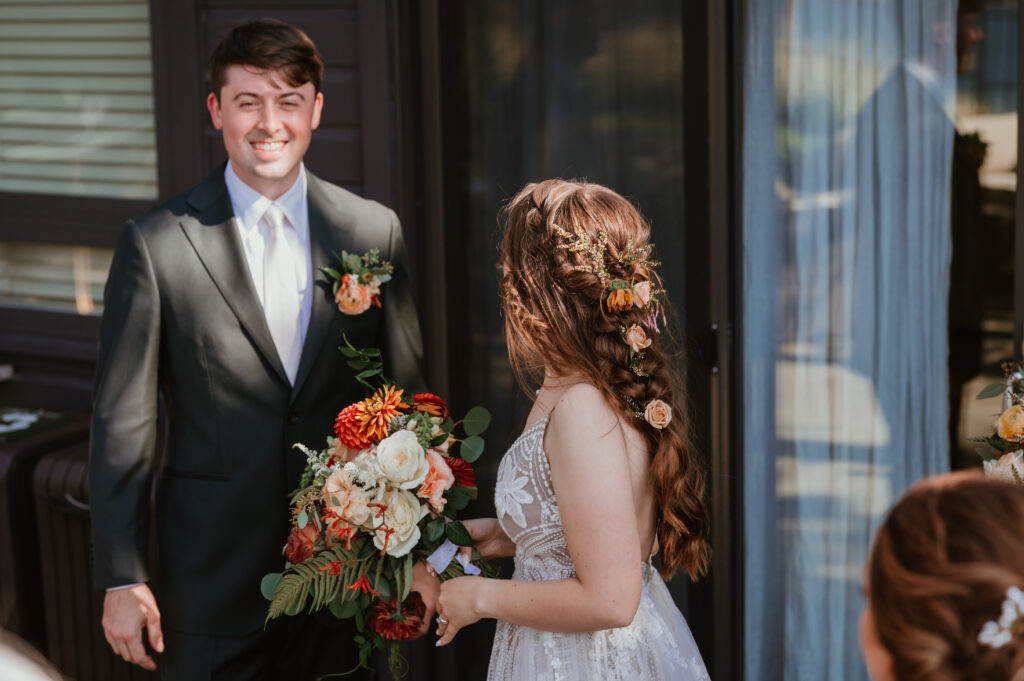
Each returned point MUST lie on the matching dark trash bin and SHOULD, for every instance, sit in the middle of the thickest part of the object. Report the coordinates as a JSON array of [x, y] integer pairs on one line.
[[25, 436], [73, 607]]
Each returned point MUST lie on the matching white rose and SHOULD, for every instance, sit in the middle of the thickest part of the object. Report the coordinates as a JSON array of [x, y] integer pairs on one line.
[[1009, 466], [401, 516], [401, 460], [364, 469]]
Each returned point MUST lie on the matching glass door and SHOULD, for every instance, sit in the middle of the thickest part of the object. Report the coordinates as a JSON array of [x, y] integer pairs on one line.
[[878, 192]]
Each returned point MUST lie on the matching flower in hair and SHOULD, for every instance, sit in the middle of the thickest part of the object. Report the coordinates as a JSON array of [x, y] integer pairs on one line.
[[996, 634], [658, 414], [636, 338], [620, 297], [642, 293]]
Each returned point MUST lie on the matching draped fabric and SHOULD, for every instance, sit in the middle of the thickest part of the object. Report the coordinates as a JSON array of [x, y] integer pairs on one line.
[[847, 150]]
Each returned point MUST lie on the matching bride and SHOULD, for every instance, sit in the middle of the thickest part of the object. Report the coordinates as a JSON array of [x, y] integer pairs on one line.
[[602, 476]]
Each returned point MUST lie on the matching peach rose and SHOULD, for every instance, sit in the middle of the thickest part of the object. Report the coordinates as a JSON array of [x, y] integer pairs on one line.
[[658, 414], [439, 479], [636, 338], [352, 297], [641, 293], [1011, 424], [1010, 466], [300, 543], [345, 499]]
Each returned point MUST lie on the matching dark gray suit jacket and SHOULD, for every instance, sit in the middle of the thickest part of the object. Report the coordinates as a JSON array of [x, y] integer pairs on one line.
[[182, 318]]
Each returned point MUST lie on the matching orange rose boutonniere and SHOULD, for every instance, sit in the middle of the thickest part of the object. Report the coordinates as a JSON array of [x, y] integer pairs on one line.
[[357, 284]]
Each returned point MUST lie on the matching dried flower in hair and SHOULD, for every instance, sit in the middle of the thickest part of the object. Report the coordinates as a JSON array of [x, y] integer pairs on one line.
[[621, 296], [658, 414]]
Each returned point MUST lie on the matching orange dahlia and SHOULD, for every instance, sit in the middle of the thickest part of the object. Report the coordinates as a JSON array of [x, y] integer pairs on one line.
[[399, 625], [431, 405], [379, 410], [347, 427], [462, 471]]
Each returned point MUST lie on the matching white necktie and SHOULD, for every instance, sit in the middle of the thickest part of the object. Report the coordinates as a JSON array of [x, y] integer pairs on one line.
[[281, 292]]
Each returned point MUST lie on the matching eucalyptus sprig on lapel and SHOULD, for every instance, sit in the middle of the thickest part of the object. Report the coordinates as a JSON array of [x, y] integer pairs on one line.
[[357, 284]]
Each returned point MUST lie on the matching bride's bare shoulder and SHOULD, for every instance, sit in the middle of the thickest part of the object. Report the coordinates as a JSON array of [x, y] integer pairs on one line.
[[581, 415]]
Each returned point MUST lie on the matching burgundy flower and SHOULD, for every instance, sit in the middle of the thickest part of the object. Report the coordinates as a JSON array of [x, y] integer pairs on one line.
[[300, 543], [399, 625], [462, 471]]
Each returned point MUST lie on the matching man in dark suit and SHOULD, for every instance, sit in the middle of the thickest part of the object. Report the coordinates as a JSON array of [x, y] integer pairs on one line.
[[214, 300]]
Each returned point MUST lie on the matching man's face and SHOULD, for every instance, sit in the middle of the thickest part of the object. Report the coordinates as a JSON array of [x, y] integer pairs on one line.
[[267, 125]]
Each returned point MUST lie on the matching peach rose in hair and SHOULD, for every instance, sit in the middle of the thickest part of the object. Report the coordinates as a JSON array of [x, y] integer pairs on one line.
[[641, 293], [1011, 424], [636, 338], [658, 414]]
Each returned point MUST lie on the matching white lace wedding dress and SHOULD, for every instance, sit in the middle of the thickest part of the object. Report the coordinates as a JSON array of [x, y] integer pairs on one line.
[[657, 646]]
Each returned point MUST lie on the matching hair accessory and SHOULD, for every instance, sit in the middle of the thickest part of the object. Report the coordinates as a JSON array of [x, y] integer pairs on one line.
[[622, 294], [996, 634]]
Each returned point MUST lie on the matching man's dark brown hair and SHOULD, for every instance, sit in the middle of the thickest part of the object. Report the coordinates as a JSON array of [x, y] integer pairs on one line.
[[268, 45]]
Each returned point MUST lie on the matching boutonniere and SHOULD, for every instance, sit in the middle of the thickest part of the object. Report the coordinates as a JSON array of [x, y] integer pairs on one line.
[[357, 284]]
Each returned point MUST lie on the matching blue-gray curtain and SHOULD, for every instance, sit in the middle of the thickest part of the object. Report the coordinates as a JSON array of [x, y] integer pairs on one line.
[[847, 149]]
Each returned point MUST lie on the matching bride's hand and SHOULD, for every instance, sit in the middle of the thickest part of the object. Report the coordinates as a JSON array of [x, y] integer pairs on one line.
[[458, 606], [424, 580], [488, 537]]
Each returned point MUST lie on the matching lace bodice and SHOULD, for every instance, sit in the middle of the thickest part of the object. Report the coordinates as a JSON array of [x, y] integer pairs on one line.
[[528, 511], [656, 646]]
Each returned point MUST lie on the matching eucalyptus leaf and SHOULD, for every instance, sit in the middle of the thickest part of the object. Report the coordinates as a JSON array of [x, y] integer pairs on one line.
[[448, 426], [993, 390], [476, 421], [269, 584], [406, 577], [471, 448], [458, 533], [384, 278], [434, 530], [303, 518], [343, 608]]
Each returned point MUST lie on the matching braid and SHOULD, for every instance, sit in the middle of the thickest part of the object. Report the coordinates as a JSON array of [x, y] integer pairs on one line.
[[564, 245]]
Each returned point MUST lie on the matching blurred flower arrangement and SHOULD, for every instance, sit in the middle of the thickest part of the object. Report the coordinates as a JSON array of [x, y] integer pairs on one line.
[[357, 284], [1004, 456], [382, 495]]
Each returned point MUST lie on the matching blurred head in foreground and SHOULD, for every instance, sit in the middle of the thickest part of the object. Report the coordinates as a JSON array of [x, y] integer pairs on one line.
[[944, 599]]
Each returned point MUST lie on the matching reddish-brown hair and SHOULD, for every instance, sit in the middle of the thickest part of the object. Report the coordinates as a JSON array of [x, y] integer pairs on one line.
[[939, 569], [554, 317], [267, 45]]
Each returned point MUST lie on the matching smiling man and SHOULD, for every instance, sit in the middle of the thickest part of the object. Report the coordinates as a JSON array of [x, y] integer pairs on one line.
[[214, 303]]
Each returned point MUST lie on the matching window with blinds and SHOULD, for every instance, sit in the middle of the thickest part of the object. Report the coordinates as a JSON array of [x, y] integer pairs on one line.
[[76, 98], [44, 276]]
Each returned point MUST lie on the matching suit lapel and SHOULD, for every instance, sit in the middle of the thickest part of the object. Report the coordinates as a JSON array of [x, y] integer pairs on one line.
[[329, 232], [213, 235]]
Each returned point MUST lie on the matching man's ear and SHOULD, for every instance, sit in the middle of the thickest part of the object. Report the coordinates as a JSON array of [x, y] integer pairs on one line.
[[213, 106], [318, 107]]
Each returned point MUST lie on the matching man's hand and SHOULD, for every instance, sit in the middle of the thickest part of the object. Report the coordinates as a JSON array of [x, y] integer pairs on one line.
[[125, 613], [424, 580]]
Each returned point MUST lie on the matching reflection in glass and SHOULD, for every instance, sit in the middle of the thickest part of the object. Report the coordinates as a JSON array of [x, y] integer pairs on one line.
[[848, 152], [981, 315], [76, 99], [43, 276]]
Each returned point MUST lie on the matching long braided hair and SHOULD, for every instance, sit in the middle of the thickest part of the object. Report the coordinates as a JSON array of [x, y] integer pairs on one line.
[[558, 314]]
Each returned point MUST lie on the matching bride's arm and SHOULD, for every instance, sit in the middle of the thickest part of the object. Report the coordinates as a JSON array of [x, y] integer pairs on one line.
[[591, 477]]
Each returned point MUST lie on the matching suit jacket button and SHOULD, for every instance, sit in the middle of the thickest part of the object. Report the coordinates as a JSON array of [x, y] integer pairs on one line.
[[293, 417]]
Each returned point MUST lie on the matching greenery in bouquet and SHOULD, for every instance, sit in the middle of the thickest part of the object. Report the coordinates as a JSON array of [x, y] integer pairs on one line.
[[383, 494], [1004, 454]]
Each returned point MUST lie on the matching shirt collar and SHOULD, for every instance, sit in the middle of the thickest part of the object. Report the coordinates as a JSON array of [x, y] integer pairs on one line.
[[249, 205]]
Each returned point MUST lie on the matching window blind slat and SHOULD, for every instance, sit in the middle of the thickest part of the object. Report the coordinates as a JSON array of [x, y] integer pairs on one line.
[[76, 98], [56, 277]]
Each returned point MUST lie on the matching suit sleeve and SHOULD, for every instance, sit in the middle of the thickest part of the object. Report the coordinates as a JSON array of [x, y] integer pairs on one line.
[[404, 356], [124, 418]]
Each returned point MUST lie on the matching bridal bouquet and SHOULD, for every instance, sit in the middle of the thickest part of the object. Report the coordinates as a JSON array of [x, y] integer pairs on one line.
[[1005, 456], [383, 494]]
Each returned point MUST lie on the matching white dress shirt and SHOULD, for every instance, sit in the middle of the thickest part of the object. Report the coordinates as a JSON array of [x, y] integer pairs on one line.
[[249, 206]]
